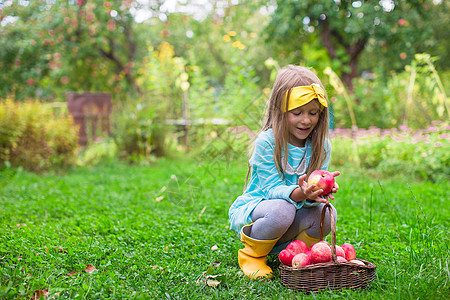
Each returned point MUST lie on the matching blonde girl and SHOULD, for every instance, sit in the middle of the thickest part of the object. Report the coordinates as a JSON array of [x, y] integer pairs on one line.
[[277, 206]]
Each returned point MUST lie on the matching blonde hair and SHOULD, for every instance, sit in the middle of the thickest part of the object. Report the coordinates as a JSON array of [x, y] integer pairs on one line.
[[287, 78]]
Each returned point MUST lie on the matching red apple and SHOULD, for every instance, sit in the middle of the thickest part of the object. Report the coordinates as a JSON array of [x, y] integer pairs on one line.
[[323, 241], [350, 252], [341, 259], [358, 262], [301, 260], [320, 253], [297, 247], [340, 251], [286, 257], [323, 180]]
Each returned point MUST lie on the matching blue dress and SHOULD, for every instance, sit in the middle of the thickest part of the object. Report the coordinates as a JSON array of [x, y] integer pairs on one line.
[[265, 182]]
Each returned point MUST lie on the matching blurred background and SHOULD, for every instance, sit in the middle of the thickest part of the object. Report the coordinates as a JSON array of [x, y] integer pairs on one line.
[[169, 78]]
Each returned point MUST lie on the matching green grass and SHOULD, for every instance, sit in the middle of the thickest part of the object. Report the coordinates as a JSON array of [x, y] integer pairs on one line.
[[149, 230]]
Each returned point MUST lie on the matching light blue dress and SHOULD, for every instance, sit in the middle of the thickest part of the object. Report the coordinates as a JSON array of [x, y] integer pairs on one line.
[[265, 182]]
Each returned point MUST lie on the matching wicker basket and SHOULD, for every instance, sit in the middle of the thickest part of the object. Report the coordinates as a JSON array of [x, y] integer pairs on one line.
[[332, 275]]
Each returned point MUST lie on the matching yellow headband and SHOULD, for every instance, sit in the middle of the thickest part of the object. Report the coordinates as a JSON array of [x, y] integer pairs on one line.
[[301, 95]]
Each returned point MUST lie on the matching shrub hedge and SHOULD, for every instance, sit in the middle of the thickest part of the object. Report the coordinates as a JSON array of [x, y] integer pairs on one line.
[[34, 138], [422, 154]]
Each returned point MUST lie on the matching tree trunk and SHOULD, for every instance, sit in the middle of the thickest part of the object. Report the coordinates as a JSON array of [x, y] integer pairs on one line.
[[332, 40]]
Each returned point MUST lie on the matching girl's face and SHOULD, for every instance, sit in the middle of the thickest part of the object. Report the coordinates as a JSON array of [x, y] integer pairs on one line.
[[301, 122]]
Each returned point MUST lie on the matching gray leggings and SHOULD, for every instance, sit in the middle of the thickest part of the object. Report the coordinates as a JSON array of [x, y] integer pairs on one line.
[[279, 218]]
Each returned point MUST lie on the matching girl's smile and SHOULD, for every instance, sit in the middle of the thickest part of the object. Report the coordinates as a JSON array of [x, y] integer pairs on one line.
[[302, 121]]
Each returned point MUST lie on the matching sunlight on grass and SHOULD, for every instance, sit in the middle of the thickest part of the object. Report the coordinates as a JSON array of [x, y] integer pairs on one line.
[[162, 231]]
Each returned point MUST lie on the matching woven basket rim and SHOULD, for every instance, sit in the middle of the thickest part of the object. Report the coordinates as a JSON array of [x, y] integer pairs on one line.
[[368, 265]]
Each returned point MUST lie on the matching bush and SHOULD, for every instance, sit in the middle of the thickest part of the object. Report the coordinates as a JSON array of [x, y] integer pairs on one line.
[[139, 132], [413, 97], [101, 151], [32, 137], [421, 153]]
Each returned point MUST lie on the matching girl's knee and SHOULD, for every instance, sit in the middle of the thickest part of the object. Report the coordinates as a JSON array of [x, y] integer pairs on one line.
[[283, 214], [272, 219]]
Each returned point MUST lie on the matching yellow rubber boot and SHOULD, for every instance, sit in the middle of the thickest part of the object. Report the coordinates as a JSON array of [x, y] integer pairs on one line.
[[252, 259], [307, 239]]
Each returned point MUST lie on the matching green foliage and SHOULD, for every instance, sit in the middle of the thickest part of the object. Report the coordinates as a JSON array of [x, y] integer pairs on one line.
[[52, 47], [137, 133], [141, 131], [414, 97], [357, 35], [32, 137], [150, 231], [99, 152], [421, 154], [213, 40], [241, 93]]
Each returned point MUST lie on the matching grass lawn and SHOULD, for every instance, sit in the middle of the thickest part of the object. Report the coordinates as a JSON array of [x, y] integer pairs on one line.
[[161, 231]]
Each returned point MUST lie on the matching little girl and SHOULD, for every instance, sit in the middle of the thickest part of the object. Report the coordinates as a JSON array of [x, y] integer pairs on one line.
[[277, 206]]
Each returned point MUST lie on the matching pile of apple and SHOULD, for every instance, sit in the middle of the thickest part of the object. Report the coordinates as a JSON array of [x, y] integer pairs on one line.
[[297, 254]]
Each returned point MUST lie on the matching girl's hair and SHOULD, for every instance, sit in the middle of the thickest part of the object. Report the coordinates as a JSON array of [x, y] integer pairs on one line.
[[287, 78]]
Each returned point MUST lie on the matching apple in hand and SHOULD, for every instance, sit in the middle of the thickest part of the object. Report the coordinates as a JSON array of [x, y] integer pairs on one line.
[[301, 260], [286, 257], [323, 180], [297, 247], [350, 252], [320, 253]]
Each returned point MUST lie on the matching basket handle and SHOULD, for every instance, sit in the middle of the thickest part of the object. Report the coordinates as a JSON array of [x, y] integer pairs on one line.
[[333, 229]]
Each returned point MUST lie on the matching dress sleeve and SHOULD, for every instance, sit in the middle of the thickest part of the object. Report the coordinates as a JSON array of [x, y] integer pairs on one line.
[[269, 180]]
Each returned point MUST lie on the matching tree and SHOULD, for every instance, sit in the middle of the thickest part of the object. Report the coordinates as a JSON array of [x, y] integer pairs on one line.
[[204, 41], [394, 29], [52, 46]]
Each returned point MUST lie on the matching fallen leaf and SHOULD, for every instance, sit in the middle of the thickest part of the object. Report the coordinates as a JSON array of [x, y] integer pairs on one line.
[[61, 250], [21, 225], [163, 189], [159, 198], [201, 213], [158, 268], [90, 269], [38, 293], [212, 282], [216, 264], [72, 273], [214, 248]]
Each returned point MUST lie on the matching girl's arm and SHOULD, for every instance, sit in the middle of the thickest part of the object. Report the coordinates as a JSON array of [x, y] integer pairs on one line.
[[267, 177]]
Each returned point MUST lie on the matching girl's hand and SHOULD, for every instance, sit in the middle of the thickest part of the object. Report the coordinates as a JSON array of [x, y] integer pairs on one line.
[[308, 191], [335, 187], [315, 195]]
